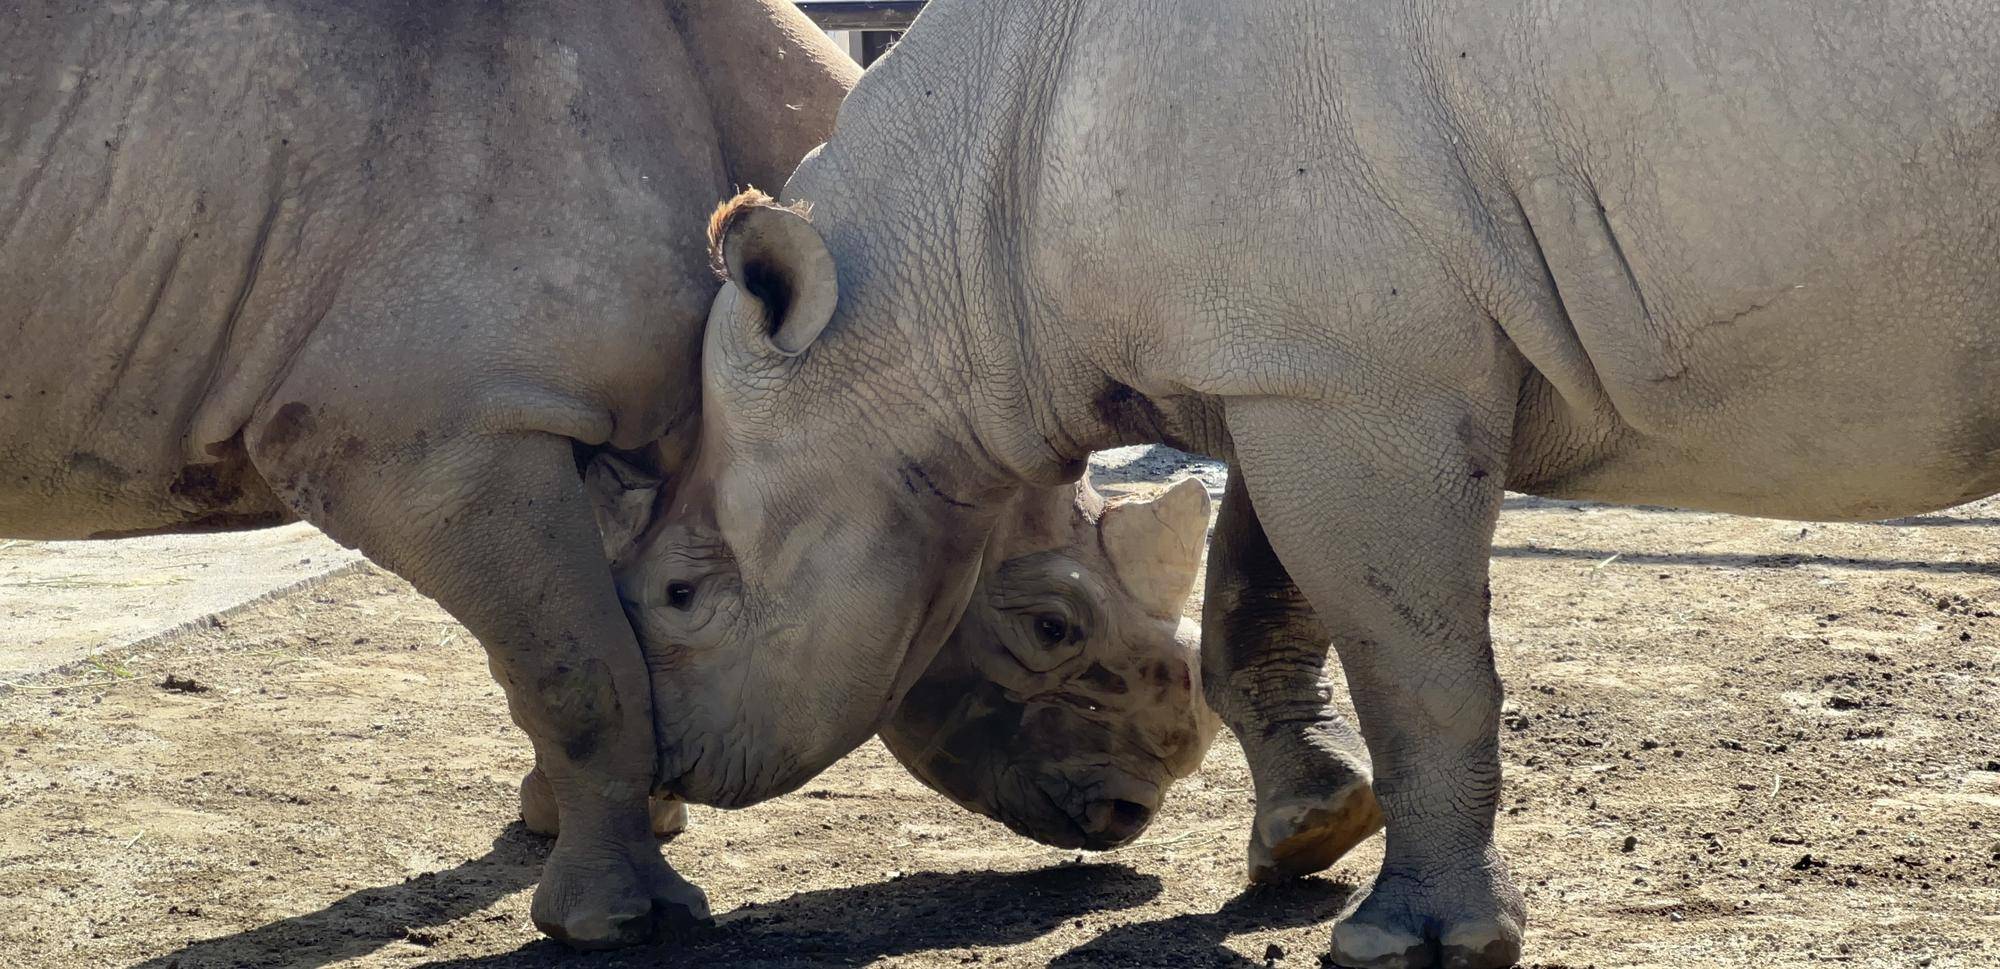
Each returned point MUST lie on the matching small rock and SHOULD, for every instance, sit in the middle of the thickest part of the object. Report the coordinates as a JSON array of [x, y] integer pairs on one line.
[[1993, 765], [180, 684], [1631, 844], [1272, 953]]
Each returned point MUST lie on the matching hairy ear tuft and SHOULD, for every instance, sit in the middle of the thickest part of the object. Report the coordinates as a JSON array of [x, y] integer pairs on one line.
[[776, 265], [735, 207]]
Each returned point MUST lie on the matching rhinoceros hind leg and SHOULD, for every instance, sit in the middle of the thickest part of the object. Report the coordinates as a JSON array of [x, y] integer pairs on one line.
[[1264, 672], [1387, 527]]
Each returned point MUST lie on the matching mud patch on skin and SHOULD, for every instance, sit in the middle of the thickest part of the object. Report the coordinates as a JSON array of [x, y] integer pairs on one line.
[[580, 695], [207, 485], [1129, 413], [225, 494], [95, 467], [287, 427], [1104, 680]]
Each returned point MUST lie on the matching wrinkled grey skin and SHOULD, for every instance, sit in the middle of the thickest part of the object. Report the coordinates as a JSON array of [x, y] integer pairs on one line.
[[389, 267], [1068, 699], [1387, 259]]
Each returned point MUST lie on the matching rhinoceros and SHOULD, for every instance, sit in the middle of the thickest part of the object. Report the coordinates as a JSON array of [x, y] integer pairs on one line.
[[1387, 259], [404, 271], [1068, 699], [394, 269]]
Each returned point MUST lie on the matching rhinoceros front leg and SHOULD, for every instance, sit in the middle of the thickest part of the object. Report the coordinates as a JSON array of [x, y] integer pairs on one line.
[[1385, 521], [1264, 671], [541, 814], [497, 529]]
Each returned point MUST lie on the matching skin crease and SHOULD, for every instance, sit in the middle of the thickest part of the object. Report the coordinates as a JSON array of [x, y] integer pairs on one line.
[[1736, 257], [386, 268]]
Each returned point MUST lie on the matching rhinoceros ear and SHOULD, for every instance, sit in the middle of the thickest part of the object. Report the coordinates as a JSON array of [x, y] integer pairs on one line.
[[622, 496], [780, 266], [1155, 546]]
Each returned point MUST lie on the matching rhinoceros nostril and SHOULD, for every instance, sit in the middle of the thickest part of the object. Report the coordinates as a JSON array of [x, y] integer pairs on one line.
[[1112, 822]]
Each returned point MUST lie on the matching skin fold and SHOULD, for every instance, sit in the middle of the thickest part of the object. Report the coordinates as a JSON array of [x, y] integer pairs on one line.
[[1388, 260]]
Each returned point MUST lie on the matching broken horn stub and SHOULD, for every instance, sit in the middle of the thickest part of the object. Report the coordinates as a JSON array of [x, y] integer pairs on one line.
[[1155, 544]]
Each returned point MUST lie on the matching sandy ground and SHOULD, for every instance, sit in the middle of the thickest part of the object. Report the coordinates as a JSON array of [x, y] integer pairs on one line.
[[1730, 743]]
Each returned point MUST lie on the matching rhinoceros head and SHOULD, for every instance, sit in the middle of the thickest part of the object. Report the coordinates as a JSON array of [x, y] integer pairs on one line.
[[825, 538], [1069, 697]]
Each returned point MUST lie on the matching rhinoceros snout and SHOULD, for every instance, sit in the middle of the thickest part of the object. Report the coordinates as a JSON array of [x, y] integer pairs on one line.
[[1112, 822]]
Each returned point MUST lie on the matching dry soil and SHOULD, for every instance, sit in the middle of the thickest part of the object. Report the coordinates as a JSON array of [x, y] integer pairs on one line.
[[1729, 742]]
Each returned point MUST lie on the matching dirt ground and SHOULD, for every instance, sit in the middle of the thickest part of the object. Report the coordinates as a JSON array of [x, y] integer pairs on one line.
[[1730, 743]]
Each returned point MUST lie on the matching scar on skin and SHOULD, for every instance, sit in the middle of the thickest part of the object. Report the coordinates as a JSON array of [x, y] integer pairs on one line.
[[920, 474]]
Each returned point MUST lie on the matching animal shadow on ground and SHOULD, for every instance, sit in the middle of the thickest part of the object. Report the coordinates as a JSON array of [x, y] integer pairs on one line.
[[369, 919], [830, 927], [1197, 940], [865, 923]]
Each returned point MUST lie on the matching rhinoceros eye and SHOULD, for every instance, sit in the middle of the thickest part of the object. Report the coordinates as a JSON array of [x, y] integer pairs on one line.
[[680, 596], [1052, 630]]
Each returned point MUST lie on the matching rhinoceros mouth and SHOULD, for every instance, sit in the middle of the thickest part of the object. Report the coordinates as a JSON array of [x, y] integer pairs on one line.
[[1068, 833]]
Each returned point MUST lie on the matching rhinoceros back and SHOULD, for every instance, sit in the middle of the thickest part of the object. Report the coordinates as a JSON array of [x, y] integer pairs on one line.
[[166, 206], [429, 213]]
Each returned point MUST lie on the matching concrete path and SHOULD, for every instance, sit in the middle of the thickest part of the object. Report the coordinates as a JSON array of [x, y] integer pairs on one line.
[[60, 602]]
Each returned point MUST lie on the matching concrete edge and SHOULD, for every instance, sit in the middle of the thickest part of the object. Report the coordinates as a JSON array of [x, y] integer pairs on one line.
[[207, 620]]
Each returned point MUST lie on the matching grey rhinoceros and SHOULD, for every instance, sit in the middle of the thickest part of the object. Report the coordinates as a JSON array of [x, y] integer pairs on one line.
[[1388, 259], [402, 271], [393, 269]]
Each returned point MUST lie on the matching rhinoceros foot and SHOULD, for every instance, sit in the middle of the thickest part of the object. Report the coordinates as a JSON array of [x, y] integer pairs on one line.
[[1445, 919], [595, 895], [1295, 838]]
